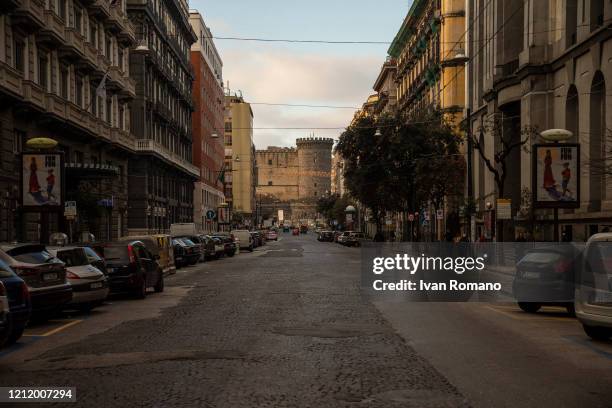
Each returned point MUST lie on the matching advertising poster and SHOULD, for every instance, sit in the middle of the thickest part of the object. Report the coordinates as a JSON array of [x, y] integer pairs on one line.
[[42, 180], [556, 176]]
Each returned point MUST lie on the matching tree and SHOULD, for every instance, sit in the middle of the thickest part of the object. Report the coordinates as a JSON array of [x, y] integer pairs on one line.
[[325, 205]]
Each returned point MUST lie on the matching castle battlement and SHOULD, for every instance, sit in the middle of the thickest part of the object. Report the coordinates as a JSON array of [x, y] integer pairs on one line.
[[314, 141]]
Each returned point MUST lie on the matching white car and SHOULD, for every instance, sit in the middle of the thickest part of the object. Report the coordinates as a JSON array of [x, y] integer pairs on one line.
[[89, 284], [593, 301], [245, 239]]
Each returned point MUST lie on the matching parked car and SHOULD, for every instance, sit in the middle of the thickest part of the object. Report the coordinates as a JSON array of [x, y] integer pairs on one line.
[[199, 242], [304, 229], [295, 231], [343, 237], [271, 235], [245, 240], [593, 301], [256, 239], [208, 247], [160, 246], [132, 268], [89, 285], [19, 303], [95, 259], [326, 236], [545, 276], [354, 239], [286, 228], [229, 246], [44, 274], [337, 235], [5, 316], [219, 247], [187, 250]]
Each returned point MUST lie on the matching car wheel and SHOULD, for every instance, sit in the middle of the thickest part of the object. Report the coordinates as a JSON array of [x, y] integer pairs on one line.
[[141, 292], [597, 332], [15, 335], [529, 307], [251, 248], [159, 286]]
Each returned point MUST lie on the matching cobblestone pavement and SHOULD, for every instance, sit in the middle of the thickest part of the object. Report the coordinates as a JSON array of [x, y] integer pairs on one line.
[[285, 326]]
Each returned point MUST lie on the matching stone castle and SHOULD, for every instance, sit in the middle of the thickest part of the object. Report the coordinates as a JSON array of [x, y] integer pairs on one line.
[[293, 179]]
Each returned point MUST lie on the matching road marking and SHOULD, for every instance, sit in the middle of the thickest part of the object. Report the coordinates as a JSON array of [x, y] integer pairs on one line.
[[516, 315], [69, 323]]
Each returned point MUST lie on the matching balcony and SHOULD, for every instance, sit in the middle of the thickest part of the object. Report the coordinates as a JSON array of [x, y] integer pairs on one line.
[[100, 9], [122, 138], [152, 147], [30, 13], [10, 80], [53, 31], [55, 105], [74, 45], [124, 85], [128, 34], [103, 64], [33, 94], [91, 56]]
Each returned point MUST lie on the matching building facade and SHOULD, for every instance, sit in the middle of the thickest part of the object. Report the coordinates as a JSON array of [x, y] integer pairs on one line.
[[386, 88], [240, 171], [543, 64], [161, 175], [53, 56], [293, 179], [208, 122], [430, 52]]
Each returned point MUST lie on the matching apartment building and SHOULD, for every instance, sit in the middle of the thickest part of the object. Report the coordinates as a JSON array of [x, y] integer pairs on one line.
[[208, 123], [542, 64], [53, 56], [161, 175], [240, 171]]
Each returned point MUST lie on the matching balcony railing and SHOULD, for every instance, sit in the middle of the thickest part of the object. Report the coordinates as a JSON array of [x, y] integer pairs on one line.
[[31, 12], [151, 146], [10, 80], [53, 30], [74, 43]]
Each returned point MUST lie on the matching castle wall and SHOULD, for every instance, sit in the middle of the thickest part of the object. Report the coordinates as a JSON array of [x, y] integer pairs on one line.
[[314, 161]]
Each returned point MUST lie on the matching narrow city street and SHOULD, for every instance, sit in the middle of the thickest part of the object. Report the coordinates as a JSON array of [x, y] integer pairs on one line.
[[286, 326]]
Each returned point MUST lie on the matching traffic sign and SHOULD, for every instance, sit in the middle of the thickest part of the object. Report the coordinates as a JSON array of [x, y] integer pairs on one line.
[[70, 210], [210, 214]]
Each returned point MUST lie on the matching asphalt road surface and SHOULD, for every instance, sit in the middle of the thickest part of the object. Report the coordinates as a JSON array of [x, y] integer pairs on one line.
[[287, 326]]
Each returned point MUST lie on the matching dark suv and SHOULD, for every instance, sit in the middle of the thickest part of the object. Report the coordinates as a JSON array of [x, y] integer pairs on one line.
[[132, 268], [44, 274]]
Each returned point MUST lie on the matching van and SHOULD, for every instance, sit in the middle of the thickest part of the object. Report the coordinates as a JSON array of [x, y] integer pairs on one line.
[[593, 301], [245, 239], [160, 245]]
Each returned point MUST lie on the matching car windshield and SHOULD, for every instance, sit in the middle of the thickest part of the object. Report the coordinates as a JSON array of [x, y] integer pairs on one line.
[[5, 270], [542, 257], [92, 255], [176, 241], [38, 257], [187, 241], [116, 253], [73, 257]]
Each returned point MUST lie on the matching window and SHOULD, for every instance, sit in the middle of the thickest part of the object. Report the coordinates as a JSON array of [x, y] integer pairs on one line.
[[78, 156], [121, 118], [109, 46], [79, 90], [94, 104], [43, 69], [19, 54], [315, 184], [228, 126], [269, 162], [64, 82], [61, 5], [18, 137], [120, 56], [109, 110], [93, 34], [269, 183], [78, 19]]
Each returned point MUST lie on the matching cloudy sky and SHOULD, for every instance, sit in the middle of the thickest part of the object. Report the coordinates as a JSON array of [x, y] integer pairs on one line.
[[311, 74]]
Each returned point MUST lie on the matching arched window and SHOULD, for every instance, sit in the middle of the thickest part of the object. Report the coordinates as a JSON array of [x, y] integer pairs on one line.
[[572, 113], [596, 136]]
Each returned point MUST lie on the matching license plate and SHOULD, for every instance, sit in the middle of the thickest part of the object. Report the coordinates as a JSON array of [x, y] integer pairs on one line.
[[96, 285], [531, 275], [50, 276]]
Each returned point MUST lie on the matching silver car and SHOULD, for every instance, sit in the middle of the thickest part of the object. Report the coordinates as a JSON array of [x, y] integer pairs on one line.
[[89, 284], [593, 301]]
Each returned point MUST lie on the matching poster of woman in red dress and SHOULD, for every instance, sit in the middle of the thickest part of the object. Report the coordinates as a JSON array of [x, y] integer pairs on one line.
[[37, 168], [34, 185], [556, 178]]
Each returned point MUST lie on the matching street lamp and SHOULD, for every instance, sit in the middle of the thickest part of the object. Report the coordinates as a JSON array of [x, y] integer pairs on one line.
[[378, 133]]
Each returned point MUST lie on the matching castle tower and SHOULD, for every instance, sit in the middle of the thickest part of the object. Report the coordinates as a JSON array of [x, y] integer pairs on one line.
[[314, 163]]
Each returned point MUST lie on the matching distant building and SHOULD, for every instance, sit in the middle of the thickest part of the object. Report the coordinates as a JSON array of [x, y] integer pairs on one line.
[[293, 179], [208, 121], [337, 175], [240, 171], [386, 88], [162, 174]]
